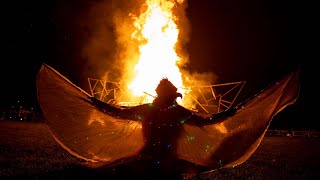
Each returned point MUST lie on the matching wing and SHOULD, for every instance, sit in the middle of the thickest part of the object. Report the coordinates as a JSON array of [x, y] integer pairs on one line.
[[231, 141], [79, 127]]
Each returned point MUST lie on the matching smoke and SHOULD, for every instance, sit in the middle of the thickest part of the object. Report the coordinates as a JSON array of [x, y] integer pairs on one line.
[[127, 50], [109, 47], [100, 48], [195, 80], [190, 79], [184, 33]]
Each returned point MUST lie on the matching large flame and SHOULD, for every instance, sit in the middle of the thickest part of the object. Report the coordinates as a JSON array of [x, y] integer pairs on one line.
[[157, 33]]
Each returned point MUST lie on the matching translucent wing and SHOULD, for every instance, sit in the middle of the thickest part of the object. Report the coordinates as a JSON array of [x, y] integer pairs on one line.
[[79, 127], [233, 140]]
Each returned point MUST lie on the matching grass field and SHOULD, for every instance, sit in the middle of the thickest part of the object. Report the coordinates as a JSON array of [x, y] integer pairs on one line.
[[28, 151]]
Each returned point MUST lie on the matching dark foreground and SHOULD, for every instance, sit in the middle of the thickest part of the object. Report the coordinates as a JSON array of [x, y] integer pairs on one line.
[[28, 151]]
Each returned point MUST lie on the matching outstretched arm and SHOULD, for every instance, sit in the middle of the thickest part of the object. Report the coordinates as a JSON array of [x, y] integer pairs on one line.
[[105, 107], [129, 113]]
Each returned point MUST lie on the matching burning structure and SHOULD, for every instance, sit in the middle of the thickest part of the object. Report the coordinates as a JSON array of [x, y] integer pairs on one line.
[[213, 98]]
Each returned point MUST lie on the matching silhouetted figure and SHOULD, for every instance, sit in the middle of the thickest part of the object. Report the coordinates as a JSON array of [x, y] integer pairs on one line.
[[161, 125]]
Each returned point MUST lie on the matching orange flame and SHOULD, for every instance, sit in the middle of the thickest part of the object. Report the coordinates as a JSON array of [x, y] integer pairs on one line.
[[157, 33]]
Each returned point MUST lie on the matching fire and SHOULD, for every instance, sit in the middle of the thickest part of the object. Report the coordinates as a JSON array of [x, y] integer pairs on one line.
[[157, 33]]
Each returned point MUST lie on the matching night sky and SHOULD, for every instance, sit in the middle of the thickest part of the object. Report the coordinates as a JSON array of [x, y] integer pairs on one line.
[[256, 41]]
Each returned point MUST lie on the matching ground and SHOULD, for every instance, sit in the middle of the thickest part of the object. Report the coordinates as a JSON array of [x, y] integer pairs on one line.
[[27, 150]]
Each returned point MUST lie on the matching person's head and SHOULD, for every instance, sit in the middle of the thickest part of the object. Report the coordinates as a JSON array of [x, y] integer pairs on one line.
[[167, 91], [165, 87]]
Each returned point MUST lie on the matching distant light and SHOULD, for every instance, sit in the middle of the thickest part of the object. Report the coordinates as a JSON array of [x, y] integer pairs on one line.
[[21, 119]]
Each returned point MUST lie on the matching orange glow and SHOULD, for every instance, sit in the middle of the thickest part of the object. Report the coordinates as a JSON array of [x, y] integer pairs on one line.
[[157, 34]]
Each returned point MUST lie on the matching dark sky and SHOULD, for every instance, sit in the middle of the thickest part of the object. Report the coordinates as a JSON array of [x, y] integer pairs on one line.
[[255, 41]]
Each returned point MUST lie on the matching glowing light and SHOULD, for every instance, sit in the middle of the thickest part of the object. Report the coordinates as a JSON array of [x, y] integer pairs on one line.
[[182, 121], [207, 148], [221, 163], [190, 138], [157, 33]]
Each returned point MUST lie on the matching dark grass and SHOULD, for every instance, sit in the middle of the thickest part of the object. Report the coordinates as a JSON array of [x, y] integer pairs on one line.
[[28, 151]]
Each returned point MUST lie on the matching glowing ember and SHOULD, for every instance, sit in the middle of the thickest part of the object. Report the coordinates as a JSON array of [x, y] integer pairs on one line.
[[157, 33]]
